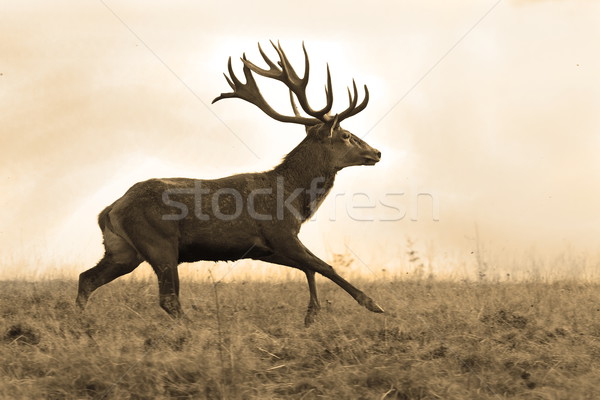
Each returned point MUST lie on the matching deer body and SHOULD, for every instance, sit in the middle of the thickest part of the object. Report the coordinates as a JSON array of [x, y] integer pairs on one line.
[[256, 215], [201, 235]]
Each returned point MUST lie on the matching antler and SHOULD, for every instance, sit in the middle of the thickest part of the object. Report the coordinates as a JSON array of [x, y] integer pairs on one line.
[[352, 109], [288, 76], [284, 72], [249, 91]]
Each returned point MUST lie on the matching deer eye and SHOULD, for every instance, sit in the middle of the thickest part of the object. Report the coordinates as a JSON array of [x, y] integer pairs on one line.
[[345, 135]]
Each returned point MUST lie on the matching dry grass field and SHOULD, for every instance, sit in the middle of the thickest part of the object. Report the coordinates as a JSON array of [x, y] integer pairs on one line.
[[246, 340]]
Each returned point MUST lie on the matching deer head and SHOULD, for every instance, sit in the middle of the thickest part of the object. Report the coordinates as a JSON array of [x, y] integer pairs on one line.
[[341, 147]]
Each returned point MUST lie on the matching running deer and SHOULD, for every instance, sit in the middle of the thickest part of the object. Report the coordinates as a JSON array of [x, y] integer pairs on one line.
[[255, 215]]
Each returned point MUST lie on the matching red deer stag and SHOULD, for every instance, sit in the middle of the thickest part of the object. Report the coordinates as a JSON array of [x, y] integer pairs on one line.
[[254, 215]]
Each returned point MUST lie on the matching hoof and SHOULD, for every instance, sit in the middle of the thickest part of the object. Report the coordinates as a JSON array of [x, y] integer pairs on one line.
[[369, 304], [172, 306], [309, 320], [176, 313], [81, 302], [374, 307], [311, 315]]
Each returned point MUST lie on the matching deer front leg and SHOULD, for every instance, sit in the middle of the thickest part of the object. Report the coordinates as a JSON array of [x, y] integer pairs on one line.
[[292, 253], [313, 303]]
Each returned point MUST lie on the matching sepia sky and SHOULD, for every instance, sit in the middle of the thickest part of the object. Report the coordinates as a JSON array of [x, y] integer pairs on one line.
[[488, 110]]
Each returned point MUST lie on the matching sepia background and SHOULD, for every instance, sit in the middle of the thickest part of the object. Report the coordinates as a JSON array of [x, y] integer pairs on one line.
[[486, 114]]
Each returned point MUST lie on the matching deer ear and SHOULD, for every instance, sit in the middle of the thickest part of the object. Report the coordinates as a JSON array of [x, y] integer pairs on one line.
[[334, 125]]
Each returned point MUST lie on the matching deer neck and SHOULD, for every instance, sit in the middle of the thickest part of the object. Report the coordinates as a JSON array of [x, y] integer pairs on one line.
[[307, 172]]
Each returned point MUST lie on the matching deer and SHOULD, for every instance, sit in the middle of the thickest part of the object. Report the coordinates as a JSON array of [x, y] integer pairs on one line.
[[245, 216]]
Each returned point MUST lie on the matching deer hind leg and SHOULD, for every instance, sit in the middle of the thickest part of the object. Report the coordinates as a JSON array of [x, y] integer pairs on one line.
[[156, 241], [119, 259], [168, 288], [162, 255]]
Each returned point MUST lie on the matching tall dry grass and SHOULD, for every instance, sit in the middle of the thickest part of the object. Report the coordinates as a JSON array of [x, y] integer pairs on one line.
[[437, 340]]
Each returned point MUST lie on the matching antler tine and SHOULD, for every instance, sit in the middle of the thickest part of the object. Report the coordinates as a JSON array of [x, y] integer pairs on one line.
[[363, 104], [328, 93], [353, 99], [294, 107], [306, 66], [288, 70], [353, 109], [273, 71], [233, 82], [270, 63]]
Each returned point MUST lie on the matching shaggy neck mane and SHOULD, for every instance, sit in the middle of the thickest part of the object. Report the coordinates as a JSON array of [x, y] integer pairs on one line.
[[308, 166]]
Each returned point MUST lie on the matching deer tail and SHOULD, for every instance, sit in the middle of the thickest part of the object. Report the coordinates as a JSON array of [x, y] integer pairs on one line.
[[103, 219]]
